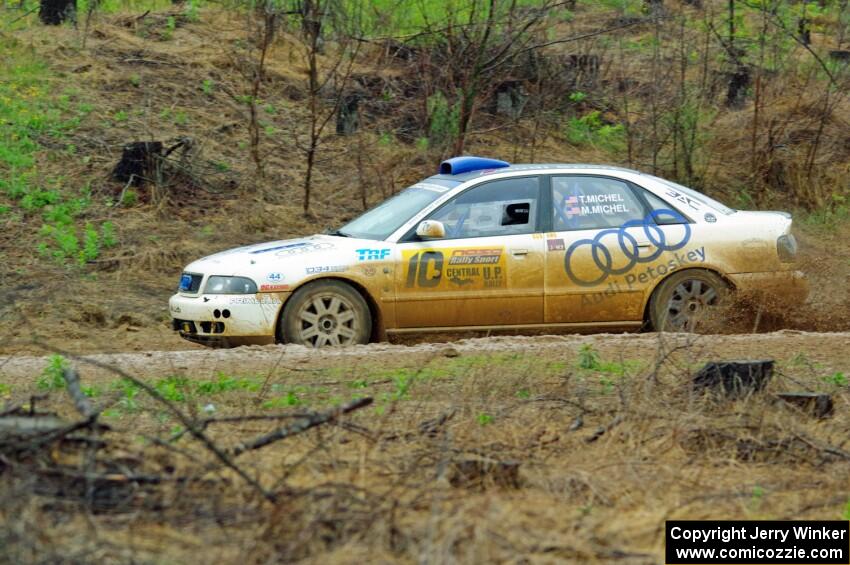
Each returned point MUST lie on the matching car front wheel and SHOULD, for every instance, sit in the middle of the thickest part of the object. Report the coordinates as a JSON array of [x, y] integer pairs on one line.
[[326, 313], [688, 301]]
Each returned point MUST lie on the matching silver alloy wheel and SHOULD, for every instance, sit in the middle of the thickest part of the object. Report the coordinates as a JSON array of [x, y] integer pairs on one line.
[[328, 319], [689, 304]]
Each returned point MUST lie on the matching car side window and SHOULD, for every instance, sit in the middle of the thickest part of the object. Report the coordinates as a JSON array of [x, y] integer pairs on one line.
[[501, 207], [665, 214], [586, 202]]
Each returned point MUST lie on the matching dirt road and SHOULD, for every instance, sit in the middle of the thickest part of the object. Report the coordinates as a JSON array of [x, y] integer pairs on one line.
[[830, 350]]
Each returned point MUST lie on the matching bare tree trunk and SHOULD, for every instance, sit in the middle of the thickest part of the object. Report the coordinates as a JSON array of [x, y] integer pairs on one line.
[[843, 21], [308, 177], [656, 69]]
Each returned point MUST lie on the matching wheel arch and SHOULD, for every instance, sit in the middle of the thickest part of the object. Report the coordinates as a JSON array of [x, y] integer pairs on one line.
[[377, 333], [647, 323]]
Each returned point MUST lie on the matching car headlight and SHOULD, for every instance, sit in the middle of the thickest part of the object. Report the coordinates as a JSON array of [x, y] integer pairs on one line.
[[786, 247], [230, 285]]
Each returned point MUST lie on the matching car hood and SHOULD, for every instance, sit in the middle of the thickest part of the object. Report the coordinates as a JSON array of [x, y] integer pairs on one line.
[[283, 255]]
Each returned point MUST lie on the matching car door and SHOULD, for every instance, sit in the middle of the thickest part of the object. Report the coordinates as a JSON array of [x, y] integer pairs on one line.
[[596, 250], [487, 271]]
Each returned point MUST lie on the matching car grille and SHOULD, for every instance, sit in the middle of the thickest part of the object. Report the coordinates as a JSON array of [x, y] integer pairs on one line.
[[190, 282]]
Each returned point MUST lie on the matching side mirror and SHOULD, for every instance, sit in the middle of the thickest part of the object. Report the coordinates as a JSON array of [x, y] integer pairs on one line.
[[431, 229]]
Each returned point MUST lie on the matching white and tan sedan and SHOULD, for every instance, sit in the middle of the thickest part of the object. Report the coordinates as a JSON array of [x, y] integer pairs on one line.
[[485, 245]]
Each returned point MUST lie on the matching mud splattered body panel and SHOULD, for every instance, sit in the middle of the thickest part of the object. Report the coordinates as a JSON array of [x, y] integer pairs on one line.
[[455, 283]]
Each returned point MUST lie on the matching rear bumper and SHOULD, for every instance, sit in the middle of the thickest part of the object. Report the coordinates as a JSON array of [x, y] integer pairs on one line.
[[226, 319], [789, 287]]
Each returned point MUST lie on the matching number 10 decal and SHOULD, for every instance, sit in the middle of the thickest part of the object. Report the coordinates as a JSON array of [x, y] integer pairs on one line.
[[417, 269]]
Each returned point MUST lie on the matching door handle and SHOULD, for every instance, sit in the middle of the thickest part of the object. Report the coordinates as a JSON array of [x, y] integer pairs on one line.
[[519, 251]]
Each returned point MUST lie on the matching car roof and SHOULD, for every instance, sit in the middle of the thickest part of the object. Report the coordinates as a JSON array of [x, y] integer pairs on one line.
[[534, 167]]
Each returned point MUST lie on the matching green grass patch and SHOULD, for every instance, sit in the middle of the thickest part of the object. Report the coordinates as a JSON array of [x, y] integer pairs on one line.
[[52, 377], [31, 112]]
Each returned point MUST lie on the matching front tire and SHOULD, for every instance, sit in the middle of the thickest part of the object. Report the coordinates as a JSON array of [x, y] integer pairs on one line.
[[688, 301], [325, 313]]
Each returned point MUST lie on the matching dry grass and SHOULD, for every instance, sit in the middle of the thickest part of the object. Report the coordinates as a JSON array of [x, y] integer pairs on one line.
[[606, 454]]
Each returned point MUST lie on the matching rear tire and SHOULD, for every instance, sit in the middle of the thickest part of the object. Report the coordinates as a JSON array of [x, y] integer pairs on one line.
[[688, 301], [325, 313]]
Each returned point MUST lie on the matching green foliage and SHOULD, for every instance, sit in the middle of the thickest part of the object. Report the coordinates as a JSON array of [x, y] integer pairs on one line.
[[52, 377], [91, 244], [289, 399], [389, 17], [192, 13], [227, 383], [625, 7], [129, 198], [402, 384], [5, 390], [444, 120], [578, 97], [588, 357], [833, 214], [837, 379], [107, 235], [173, 388], [484, 419], [590, 130]]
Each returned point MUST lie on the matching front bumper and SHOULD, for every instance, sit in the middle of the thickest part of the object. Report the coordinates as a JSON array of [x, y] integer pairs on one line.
[[787, 287], [226, 319]]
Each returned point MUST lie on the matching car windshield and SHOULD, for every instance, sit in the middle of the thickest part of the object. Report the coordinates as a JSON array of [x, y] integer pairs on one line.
[[708, 201], [385, 218]]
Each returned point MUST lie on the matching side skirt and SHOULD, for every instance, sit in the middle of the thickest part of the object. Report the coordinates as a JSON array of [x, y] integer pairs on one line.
[[577, 326]]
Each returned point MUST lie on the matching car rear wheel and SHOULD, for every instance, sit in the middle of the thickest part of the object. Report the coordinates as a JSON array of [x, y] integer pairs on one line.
[[326, 313], [688, 301]]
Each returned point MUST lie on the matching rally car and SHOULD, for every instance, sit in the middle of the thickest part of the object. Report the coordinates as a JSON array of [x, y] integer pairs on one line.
[[485, 245]]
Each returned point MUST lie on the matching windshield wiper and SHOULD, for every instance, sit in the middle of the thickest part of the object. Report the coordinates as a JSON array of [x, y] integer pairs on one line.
[[339, 233]]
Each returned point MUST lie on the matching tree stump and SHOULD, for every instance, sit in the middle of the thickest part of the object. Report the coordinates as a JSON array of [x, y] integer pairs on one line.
[[734, 378], [482, 472], [813, 403], [510, 98], [54, 12], [139, 161], [348, 116], [739, 82]]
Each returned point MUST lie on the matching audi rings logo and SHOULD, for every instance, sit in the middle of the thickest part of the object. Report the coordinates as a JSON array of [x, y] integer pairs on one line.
[[629, 246]]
